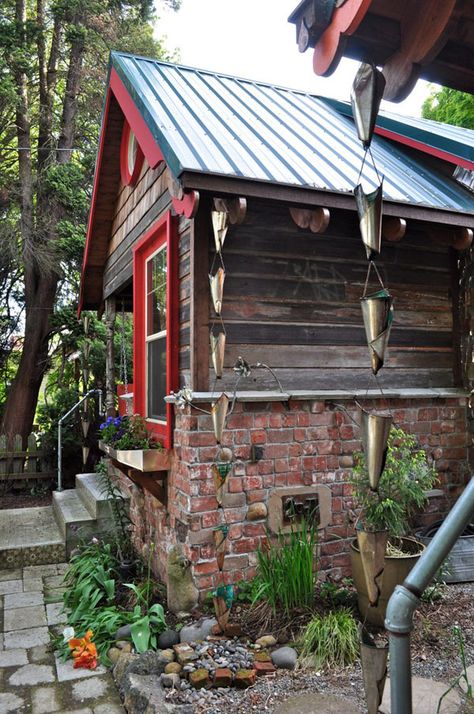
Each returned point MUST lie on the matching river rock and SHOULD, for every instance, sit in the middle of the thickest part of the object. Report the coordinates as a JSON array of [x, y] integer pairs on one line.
[[266, 641], [167, 639], [173, 668], [257, 511], [198, 631], [285, 657], [170, 680], [124, 632]]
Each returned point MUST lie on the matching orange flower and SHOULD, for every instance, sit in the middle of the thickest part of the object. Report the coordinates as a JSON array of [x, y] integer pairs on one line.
[[84, 652]]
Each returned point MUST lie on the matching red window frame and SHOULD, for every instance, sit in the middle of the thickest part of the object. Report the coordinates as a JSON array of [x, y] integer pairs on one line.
[[129, 179], [162, 232]]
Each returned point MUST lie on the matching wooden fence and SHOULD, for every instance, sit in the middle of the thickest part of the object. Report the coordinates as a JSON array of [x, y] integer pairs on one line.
[[17, 464]]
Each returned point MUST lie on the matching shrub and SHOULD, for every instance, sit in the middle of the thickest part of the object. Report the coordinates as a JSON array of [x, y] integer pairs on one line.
[[331, 640], [286, 572]]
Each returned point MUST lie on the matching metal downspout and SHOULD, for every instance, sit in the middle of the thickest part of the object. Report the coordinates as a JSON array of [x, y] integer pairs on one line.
[[406, 598]]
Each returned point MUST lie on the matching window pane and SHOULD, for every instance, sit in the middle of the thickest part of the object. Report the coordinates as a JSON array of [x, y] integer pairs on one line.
[[156, 293], [157, 378]]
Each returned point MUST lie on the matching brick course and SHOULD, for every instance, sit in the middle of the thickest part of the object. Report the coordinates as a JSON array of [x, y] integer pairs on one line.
[[309, 443]]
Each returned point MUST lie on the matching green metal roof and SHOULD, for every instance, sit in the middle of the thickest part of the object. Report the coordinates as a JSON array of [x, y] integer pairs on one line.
[[216, 124]]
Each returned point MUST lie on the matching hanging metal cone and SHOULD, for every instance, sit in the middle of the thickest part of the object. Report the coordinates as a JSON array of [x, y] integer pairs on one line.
[[86, 348], [220, 224], [374, 670], [377, 312], [375, 428], [369, 209], [372, 548], [220, 471], [85, 322], [85, 426], [223, 598], [217, 352], [85, 454], [366, 95], [220, 537], [219, 413], [216, 283], [85, 377]]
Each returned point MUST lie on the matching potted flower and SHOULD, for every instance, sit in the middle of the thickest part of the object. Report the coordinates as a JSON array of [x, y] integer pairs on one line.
[[127, 440], [389, 512]]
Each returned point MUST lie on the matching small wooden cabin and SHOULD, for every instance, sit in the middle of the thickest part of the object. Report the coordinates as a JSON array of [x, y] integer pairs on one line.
[[175, 144]]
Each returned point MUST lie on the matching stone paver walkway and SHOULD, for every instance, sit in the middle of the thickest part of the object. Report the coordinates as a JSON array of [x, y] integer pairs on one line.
[[32, 679]]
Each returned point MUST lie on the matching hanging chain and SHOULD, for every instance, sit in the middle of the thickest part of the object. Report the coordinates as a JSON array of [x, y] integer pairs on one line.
[[123, 351]]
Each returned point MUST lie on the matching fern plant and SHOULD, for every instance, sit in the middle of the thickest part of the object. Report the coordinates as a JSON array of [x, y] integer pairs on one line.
[[401, 490]]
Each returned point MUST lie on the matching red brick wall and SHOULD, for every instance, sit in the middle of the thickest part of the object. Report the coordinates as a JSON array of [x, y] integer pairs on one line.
[[304, 444]]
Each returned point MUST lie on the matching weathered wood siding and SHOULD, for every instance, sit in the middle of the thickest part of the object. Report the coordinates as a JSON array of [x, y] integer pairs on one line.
[[137, 209], [291, 300]]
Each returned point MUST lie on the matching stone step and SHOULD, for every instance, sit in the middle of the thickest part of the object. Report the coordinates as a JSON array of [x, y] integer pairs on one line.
[[92, 495], [74, 520], [30, 536]]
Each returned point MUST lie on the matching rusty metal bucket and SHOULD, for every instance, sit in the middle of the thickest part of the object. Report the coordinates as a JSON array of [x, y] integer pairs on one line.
[[375, 429], [219, 412], [216, 283], [374, 669], [217, 352], [372, 547], [369, 210], [366, 95], [377, 313], [220, 224]]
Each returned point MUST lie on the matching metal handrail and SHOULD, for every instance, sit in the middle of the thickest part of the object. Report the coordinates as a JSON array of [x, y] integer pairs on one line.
[[60, 425]]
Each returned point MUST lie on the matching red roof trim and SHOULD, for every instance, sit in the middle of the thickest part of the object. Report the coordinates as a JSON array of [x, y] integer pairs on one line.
[[426, 148], [138, 125]]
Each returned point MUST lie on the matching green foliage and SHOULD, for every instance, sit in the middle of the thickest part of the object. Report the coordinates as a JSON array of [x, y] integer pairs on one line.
[[401, 490], [119, 510], [127, 432], [286, 572], [463, 677], [450, 107], [336, 595], [331, 640]]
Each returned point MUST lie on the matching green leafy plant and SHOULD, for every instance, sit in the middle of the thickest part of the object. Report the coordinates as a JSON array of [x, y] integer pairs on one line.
[[119, 508], [286, 571], [463, 677], [127, 432], [330, 640], [401, 490], [338, 594]]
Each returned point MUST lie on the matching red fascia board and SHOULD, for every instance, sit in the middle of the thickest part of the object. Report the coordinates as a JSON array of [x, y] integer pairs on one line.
[[426, 148], [95, 189], [163, 231], [143, 135]]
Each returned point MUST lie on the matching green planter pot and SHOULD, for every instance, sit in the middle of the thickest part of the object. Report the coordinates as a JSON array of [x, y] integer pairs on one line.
[[395, 571]]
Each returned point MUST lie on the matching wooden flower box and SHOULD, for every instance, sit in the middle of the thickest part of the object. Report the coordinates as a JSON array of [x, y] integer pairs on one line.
[[145, 460]]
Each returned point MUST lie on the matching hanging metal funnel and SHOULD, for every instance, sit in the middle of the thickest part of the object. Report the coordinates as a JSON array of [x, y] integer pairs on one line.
[[375, 429], [377, 312], [372, 546], [86, 348], [220, 224], [85, 425], [85, 322], [366, 95], [374, 669], [369, 209], [220, 537], [220, 471], [219, 413], [216, 283], [85, 454], [217, 352]]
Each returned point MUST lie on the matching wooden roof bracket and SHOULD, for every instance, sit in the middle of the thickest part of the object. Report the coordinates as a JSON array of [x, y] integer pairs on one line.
[[185, 201], [456, 237], [393, 228], [316, 219], [236, 208]]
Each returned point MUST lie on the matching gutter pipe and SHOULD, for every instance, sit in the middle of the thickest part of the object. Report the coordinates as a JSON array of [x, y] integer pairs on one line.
[[406, 598]]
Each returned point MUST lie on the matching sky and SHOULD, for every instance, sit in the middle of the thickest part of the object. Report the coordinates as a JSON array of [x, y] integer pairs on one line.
[[254, 40]]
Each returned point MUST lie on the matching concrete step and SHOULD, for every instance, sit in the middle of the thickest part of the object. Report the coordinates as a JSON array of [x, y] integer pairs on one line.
[[30, 536], [91, 493], [74, 520]]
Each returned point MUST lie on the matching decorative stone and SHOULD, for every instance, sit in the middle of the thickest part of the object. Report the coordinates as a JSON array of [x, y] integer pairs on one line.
[[125, 659], [199, 678], [167, 655], [264, 668], [198, 631], [173, 668], [123, 645], [257, 511], [170, 680], [113, 654], [245, 678], [123, 633], [222, 677], [167, 639], [262, 657], [184, 653], [284, 657], [32, 674], [182, 593], [266, 641]]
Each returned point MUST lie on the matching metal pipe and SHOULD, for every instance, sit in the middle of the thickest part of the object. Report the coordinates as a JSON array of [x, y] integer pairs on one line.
[[60, 428], [406, 598]]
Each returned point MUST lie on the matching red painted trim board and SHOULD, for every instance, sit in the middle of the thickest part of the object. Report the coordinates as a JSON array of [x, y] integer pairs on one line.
[[426, 148], [164, 231]]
